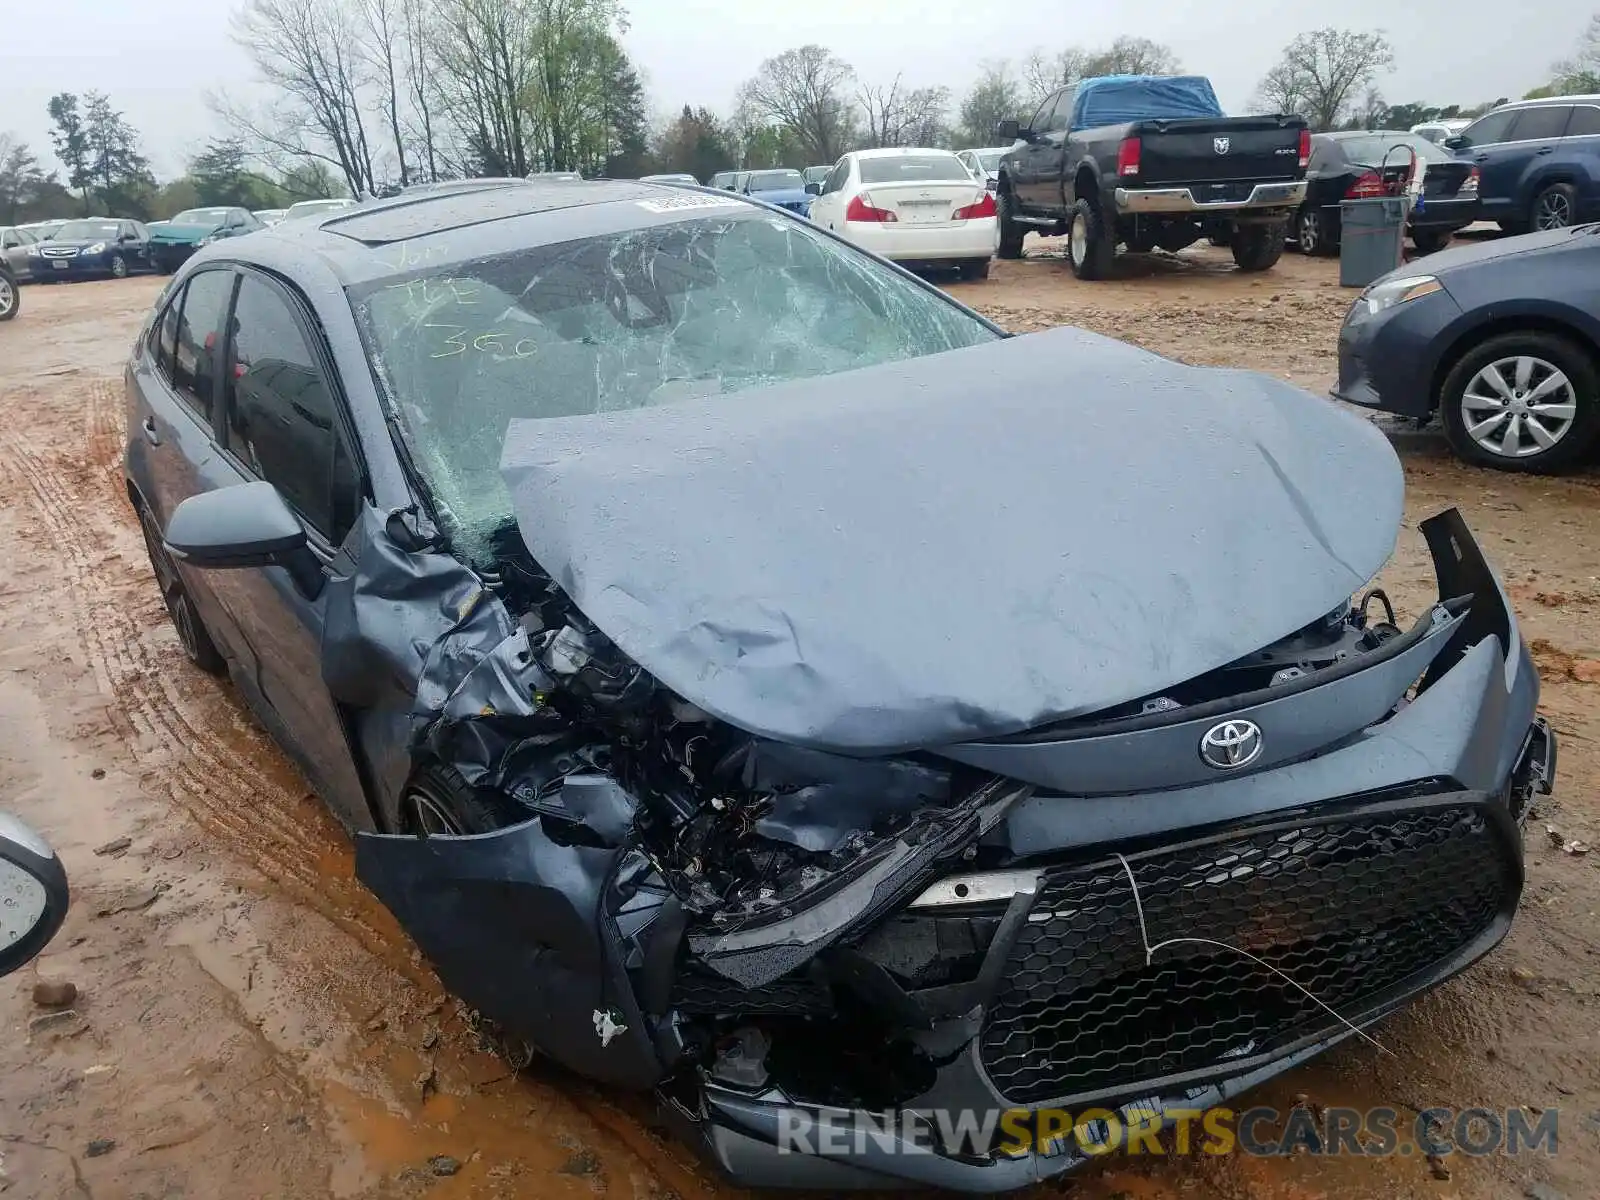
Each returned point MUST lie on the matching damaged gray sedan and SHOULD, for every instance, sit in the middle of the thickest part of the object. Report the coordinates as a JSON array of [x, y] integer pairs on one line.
[[751, 676]]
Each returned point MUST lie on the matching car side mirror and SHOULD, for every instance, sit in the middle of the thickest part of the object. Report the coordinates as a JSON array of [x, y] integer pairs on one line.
[[1010, 131], [1457, 142], [33, 894], [245, 525], [813, 189]]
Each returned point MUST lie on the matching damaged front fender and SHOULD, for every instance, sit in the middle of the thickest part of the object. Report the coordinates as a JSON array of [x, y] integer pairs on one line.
[[537, 936]]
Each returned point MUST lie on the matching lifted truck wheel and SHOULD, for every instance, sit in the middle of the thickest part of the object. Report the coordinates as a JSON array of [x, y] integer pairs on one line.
[[1011, 234], [1089, 245], [1258, 247]]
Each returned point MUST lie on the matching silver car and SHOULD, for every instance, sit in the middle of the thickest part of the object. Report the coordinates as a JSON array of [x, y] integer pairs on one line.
[[14, 245]]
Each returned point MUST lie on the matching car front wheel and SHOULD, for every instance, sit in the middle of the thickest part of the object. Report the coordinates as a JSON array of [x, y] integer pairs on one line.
[[119, 267], [1309, 235], [439, 803], [1526, 401], [10, 297]]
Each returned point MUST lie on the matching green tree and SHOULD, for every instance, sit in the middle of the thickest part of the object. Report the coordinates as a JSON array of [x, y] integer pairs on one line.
[[696, 143], [71, 143], [22, 180], [221, 175], [121, 173], [996, 97], [1580, 74]]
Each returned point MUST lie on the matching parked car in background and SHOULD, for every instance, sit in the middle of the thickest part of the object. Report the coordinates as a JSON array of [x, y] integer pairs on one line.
[[269, 216], [316, 208], [441, 484], [1368, 164], [10, 291], [91, 248], [188, 231], [1147, 161], [984, 164], [1501, 340], [670, 177], [1538, 160], [917, 207], [815, 174], [1437, 131], [14, 244], [731, 181], [784, 187]]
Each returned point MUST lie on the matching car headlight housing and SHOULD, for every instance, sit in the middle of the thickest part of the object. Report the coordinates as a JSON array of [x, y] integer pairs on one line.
[[34, 251], [97, 248], [1385, 295]]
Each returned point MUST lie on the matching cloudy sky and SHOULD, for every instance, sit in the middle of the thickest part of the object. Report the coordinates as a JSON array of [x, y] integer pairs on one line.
[[157, 58]]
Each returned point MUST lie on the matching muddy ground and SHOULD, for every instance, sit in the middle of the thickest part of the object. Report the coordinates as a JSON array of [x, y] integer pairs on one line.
[[250, 1023]]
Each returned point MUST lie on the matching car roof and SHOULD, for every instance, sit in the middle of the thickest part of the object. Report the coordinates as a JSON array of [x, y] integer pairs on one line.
[[902, 151], [1546, 101]]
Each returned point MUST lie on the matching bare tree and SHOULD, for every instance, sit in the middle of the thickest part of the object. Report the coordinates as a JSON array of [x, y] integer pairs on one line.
[[1580, 74], [311, 53], [1132, 56], [1322, 72], [804, 90], [415, 20], [897, 116], [383, 22], [1043, 73], [486, 70]]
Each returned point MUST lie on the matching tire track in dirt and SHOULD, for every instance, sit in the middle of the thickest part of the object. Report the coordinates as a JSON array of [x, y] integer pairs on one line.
[[153, 705]]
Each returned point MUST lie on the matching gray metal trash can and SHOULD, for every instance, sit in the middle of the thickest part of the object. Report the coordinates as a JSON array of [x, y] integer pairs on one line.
[[1372, 238]]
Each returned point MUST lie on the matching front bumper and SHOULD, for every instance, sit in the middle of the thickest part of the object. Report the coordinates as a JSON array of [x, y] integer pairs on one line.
[[1369, 875], [907, 243], [1387, 360], [1183, 199], [78, 266], [170, 255]]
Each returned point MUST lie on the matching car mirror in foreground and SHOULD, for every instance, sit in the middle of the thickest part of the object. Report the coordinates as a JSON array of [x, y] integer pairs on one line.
[[245, 525], [1009, 131], [33, 894]]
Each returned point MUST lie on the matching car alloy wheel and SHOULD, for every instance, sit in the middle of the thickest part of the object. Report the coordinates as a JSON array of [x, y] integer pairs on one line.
[[1553, 210], [1078, 239], [431, 813], [119, 266], [8, 297], [1308, 232], [1519, 407]]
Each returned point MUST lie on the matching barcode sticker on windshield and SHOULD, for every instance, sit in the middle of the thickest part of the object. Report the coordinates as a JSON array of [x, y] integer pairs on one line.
[[668, 204]]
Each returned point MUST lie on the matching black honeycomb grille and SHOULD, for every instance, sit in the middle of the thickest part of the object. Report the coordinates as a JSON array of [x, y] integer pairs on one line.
[[1348, 911]]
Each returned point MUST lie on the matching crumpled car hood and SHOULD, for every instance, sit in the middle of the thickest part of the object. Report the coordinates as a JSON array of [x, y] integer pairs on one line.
[[958, 546]]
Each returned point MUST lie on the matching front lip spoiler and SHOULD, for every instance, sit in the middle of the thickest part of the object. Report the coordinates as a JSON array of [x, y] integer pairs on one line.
[[1181, 199]]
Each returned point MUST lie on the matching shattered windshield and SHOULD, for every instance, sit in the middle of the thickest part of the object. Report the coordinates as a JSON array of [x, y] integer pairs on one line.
[[674, 312]]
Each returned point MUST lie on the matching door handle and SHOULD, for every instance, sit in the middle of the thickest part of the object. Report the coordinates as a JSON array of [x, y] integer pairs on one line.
[[150, 434], [1544, 149]]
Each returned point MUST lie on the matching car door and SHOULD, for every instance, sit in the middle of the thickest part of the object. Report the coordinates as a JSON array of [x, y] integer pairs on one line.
[[14, 244], [1536, 138], [135, 244], [282, 420], [827, 209], [1032, 183], [1580, 154], [1489, 144]]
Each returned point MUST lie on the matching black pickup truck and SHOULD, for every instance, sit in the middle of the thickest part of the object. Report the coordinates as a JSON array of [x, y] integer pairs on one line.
[[1150, 160]]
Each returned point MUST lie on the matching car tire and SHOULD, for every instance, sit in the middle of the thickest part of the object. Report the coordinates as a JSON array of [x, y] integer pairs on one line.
[[1011, 233], [1311, 233], [437, 802], [1549, 353], [1258, 247], [192, 634], [975, 269], [1431, 241], [119, 267], [1090, 249], [10, 297], [1556, 207]]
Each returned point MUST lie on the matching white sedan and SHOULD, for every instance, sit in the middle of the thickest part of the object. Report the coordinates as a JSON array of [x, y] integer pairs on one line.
[[914, 206]]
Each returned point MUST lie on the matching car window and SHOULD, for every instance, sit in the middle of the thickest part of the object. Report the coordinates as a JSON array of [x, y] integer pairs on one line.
[[710, 310], [1535, 124], [1490, 129], [935, 166], [281, 416], [164, 337], [9, 240], [1041, 119], [1325, 154], [1585, 121], [837, 177], [195, 351], [1062, 118]]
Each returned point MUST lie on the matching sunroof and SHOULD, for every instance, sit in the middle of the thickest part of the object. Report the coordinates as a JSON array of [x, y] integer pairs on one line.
[[425, 214]]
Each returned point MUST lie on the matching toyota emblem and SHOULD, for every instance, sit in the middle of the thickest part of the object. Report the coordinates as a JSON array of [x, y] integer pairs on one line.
[[1220, 145], [1231, 744]]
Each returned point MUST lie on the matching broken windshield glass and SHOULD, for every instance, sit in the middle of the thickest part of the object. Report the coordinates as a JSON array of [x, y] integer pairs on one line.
[[650, 316]]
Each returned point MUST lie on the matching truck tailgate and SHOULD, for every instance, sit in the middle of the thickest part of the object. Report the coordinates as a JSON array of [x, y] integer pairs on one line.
[[1217, 150]]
